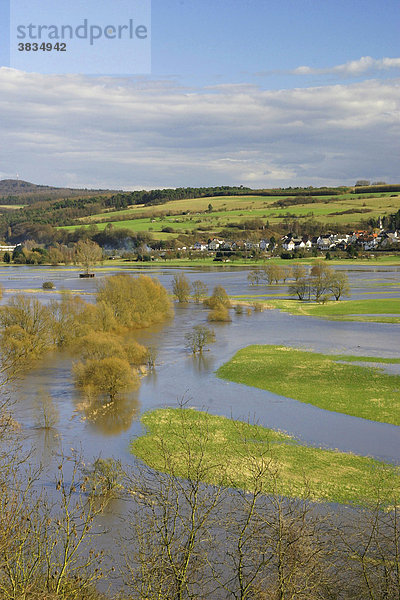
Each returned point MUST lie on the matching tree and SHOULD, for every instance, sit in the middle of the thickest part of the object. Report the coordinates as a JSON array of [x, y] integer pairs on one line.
[[273, 273], [135, 302], [218, 298], [199, 290], [300, 288], [88, 254], [109, 376], [254, 277], [339, 285], [6, 257], [200, 337], [298, 272], [181, 287]]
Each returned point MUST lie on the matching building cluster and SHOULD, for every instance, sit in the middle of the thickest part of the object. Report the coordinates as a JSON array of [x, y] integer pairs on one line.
[[333, 241]]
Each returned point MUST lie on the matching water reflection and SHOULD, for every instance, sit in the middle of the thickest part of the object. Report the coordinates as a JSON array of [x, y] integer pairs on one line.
[[107, 417], [47, 444], [201, 363]]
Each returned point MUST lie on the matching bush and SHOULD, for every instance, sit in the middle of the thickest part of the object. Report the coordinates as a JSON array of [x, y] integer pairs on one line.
[[136, 353], [219, 298], [258, 306], [105, 476], [48, 285], [135, 301], [219, 313], [108, 376]]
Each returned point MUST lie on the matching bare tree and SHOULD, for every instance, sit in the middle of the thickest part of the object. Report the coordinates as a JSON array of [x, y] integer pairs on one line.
[[199, 338], [88, 254]]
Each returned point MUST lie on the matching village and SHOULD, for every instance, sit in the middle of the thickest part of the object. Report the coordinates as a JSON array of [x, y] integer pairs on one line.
[[364, 240]]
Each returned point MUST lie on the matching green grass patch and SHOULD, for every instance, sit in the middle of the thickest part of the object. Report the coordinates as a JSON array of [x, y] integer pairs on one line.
[[378, 310], [318, 379], [186, 443]]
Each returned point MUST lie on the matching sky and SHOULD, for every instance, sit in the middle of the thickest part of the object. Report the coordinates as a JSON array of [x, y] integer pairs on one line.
[[260, 93]]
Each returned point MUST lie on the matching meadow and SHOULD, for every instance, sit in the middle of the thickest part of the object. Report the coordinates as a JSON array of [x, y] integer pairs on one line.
[[378, 310], [233, 452], [187, 216], [319, 379]]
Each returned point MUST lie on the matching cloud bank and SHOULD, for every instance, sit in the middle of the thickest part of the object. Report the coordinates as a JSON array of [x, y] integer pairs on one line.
[[102, 132], [353, 68]]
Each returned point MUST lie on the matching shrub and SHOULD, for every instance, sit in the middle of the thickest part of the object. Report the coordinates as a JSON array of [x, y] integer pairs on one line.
[[48, 285], [136, 353], [219, 313], [135, 301], [108, 376], [105, 476], [218, 298], [258, 306]]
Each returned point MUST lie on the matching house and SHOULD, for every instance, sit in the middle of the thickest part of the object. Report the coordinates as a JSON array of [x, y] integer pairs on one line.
[[200, 246], [325, 242], [390, 238], [214, 244], [264, 245]]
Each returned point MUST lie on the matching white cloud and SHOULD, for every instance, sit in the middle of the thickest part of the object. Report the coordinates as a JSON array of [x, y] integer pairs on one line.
[[102, 132], [353, 68]]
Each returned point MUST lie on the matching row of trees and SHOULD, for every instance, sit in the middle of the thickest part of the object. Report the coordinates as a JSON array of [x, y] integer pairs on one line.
[[321, 283], [218, 302]]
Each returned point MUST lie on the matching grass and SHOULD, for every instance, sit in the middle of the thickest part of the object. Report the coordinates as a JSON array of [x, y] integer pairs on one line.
[[228, 209], [318, 379], [378, 310], [179, 441]]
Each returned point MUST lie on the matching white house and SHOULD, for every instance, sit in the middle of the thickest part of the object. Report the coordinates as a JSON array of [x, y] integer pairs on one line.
[[200, 246], [264, 245], [215, 244]]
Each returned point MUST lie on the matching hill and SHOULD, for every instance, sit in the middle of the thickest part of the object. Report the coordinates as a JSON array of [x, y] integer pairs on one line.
[[16, 191]]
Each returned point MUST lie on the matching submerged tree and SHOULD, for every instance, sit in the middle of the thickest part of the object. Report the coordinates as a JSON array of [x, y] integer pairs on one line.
[[181, 287], [199, 338], [88, 254]]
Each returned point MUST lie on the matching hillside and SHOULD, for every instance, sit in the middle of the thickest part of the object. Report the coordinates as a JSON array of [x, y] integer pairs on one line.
[[193, 213], [16, 191]]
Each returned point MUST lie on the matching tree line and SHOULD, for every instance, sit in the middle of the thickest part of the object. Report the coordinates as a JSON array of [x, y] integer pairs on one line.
[[320, 284]]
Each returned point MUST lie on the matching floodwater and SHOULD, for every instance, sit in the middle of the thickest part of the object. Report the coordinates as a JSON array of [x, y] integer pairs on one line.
[[107, 431], [179, 376]]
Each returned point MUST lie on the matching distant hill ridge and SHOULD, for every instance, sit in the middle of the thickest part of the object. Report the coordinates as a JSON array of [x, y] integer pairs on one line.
[[17, 191]]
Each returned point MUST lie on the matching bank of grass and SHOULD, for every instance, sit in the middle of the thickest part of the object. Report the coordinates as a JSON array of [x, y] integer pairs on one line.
[[231, 451], [378, 310], [318, 379]]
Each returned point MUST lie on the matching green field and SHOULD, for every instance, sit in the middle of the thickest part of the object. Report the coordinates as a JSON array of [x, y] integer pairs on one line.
[[187, 442], [343, 209], [318, 379], [378, 310]]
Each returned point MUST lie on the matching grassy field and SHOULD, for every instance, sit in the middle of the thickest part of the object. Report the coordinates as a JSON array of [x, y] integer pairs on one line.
[[343, 209], [230, 452], [377, 310], [318, 379]]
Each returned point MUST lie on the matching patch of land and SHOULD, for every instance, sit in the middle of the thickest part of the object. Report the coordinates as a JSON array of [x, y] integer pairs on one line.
[[187, 442], [191, 216], [378, 310], [319, 379]]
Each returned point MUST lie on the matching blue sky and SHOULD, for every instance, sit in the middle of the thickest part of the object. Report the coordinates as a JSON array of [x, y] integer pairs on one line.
[[254, 92]]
